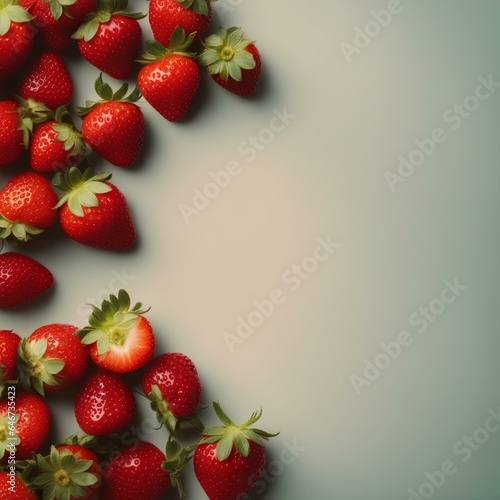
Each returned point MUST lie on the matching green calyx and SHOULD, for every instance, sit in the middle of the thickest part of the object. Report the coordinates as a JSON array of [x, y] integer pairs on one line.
[[80, 189], [177, 458], [229, 434], [11, 11], [105, 10], [225, 54], [62, 475], [30, 113], [109, 324], [17, 231], [198, 6], [57, 7], [67, 134], [106, 93], [179, 45], [8, 437], [35, 369]]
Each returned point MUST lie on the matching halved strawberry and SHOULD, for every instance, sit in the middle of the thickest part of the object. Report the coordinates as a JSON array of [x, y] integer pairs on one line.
[[119, 337]]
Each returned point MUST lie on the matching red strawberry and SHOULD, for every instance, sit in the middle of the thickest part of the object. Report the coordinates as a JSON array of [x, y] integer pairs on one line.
[[170, 78], [114, 126], [229, 460], [21, 279], [47, 80], [233, 61], [190, 15], [136, 472], [119, 337], [32, 422], [56, 144], [94, 212], [104, 404], [13, 488], [52, 358], [70, 471], [172, 384], [27, 204], [9, 341], [16, 37], [111, 38]]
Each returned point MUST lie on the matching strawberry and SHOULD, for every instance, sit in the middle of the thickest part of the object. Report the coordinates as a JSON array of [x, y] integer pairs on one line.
[[170, 78], [172, 384], [26, 206], [119, 337], [16, 37], [32, 422], [21, 279], [9, 341], [70, 472], [47, 80], [56, 144], [104, 404], [13, 488], [232, 61], [114, 126], [110, 38], [136, 472], [229, 459], [193, 16], [94, 212], [52, 358]]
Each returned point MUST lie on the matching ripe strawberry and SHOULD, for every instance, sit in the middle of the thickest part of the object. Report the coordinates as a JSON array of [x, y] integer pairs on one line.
[[114, 126], [70, 471], [172, 384], [26, 206], [136, 472], [52, 358], [21, 279], [104, 404], [170, 78], [47, 80], [193, 16], [119, 337], [16, 37], [233, 61], [16, 491], [110, 38], [9, 341], [56, 144], [32, 422], [229, 460], [92, 211]]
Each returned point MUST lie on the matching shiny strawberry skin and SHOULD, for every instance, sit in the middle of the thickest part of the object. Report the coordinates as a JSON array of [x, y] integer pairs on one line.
[[135, 472], [177, 378], [115, 130], [104, 404], [28, 198], [170, 85], [18, 491], [107, 226], [115, 46], [9, 342], [47, 80], [231, 478], [21, 279], [15, 47], [11, 139], [166, 15]]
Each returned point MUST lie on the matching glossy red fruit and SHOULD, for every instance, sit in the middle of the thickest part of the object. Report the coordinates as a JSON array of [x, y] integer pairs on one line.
[[52, 358], [170, 78], [9, 342], [104, 404], [13, 488], [21, 279], [11, 137], [136, 472]]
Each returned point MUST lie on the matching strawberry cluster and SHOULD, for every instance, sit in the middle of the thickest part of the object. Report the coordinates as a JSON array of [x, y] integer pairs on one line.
[[38, 118], [96, 462]]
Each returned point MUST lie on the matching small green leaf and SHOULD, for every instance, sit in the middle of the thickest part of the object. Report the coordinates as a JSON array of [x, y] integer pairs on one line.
[[224, 447]]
